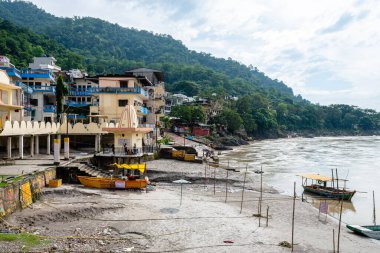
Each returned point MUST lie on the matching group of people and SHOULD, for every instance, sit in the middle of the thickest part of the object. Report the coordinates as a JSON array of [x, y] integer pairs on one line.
[[127, 151]]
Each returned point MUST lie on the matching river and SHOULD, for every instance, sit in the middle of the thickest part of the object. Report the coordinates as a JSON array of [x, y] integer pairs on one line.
[[356, 158]]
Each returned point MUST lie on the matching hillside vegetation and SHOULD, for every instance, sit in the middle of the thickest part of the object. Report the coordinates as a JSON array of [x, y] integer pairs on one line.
[[266, 107]]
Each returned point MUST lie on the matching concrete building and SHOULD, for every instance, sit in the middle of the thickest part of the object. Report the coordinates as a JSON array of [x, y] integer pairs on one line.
[[10, 105], [40, 76], [114, 92], [156, 91]]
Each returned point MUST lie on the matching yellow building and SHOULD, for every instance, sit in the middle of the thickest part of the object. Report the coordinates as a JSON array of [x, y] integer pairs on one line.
[[129, 137], [9, 100], [115, 92]]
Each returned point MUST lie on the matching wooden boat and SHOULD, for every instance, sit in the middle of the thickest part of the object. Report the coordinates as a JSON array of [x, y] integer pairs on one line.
[[124, 177], [112, 183], [319, 186], [371, 231]]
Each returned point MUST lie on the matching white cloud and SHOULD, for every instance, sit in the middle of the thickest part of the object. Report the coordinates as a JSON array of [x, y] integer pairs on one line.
[[303, 42]]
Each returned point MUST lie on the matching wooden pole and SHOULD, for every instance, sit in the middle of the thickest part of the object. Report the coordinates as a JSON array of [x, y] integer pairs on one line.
[[340, 221], [226, 187], [333, 240], [267, 215], [374, 208], [337, 179], [181, 196], [294, 206], [205, 174], [214, 178], [261, 187], [242, 192], [332, 176]]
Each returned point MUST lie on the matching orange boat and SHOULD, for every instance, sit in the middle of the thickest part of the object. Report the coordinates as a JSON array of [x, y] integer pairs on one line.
[[112, 183]]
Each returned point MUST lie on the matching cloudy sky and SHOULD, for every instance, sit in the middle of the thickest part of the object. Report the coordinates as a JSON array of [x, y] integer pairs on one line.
[[327, 51]]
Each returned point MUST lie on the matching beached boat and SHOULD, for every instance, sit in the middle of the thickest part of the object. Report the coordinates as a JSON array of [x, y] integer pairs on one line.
[[112, 183], [371, 231], [319, 186], [124, 177]]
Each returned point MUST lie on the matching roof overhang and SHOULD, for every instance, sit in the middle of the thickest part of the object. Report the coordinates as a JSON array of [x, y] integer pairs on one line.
[[128, 130]]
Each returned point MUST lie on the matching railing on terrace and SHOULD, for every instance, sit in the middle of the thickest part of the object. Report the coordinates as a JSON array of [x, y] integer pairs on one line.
[[146, 125], [24, 87], [11, 71], [37, 73], [75, 103], [121, 151], [77, 92], [136, 90], [43, 88], [49, 108]]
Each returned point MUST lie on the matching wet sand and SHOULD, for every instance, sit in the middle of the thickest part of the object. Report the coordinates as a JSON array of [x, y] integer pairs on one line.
[[77, 219]]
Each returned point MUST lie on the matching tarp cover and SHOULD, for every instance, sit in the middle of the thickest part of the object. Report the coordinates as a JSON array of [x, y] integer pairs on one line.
[[316, 177], [139, 166]]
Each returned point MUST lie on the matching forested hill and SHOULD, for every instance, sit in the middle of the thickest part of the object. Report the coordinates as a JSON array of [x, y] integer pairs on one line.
[[110, 48]]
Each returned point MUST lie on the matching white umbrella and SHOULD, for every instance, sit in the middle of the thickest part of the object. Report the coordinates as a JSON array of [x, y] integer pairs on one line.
[[181, 181]]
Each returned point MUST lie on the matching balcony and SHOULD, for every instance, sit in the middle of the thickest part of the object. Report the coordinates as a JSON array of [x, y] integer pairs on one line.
[[43, 88], [76, 92], [11, 71], [77, 104], [24, 87], [120, 90], [37, 73], [49, 108]]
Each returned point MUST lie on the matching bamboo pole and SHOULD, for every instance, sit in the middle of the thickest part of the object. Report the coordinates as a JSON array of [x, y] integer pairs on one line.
[[214, 178], [337, 179], [205, 175], [332, 176], [374, 208], [267, 215], [333, 240], [294, 206], [340, 222], [226, 187], [242, 192]]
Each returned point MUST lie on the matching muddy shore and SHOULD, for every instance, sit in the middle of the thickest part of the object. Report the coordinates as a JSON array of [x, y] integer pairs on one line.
[[75, 219]]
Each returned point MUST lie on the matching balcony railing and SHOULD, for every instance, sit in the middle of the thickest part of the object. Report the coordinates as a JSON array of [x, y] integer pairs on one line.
[[49, 108], [76, 92], [11, 71], [24, 87], [146, 125], [37, 73], [43, 88], [120, 90], [121, 151], [77, 104]]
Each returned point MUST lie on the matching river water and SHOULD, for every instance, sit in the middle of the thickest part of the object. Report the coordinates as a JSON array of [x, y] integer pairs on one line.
[[356, 158]]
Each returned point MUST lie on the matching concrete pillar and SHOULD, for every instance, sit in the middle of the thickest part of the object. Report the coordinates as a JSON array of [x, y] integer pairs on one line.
[[48, 145], [32, 146], [9, 147], [37, 144], [66, 147], [56, 151], [21, 146], [59, 146], [97, 143]]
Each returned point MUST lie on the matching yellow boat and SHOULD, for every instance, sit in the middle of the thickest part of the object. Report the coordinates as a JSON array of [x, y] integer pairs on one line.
[[119, 179], [112, 183]]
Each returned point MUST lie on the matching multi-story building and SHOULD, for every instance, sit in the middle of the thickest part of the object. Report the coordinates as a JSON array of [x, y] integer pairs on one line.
[[10, 105], [156, 91], [114, 92], [40, 76]]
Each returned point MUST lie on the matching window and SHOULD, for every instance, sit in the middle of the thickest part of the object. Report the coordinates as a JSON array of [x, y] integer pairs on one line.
[[123, 102], [123, 84], [34, 102]]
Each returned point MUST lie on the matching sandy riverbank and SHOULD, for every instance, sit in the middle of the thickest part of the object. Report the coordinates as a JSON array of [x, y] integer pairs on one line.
[[76, 219]]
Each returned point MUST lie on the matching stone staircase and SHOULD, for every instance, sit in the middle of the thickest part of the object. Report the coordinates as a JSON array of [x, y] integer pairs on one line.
[[89, 169]]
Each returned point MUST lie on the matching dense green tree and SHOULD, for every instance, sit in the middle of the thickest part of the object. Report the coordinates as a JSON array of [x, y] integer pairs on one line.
[[60, 91], [230, 119]]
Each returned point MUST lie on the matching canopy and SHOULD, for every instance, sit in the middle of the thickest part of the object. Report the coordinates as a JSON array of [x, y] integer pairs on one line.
[[316, 177], [141, 167]]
